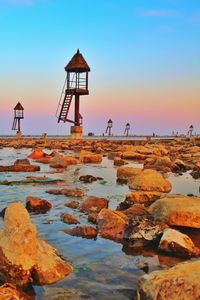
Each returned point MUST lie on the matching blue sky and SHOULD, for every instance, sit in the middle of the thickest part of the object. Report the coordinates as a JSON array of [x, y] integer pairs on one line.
[[143, 54]]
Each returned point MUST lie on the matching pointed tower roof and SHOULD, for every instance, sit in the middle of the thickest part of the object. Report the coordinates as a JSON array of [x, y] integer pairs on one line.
[[77, 64], [18, 106]]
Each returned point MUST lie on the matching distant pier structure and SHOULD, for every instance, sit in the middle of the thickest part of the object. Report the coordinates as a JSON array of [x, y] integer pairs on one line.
[[76, 85], [18, 116], [109, 127], [127, 129]]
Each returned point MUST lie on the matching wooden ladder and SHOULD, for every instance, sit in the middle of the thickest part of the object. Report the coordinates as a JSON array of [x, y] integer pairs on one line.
[[64, 106]]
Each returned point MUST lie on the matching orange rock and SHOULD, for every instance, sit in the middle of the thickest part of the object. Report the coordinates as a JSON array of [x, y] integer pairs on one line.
[[179, 282], [37, 205], [24, 257], [178, 244], [112, 224], [124, 173], [177, 210], [119, 162], [150, 180], [10, 291], [72, 204], [67, 192], [61, 161], [69, 219], [89, 157], [37, 154], [20, 168], [146, 198], [135, 210], [94, 204], [89, 232]]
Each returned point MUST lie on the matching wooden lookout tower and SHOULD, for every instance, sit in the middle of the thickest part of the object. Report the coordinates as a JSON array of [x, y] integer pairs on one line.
[[76, 85], [18, 116]]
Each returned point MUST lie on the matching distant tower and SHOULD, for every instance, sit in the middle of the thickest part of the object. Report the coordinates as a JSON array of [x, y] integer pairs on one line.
[[76, 84], [190, 131], [127, 129], [109, 127], [18, 116]]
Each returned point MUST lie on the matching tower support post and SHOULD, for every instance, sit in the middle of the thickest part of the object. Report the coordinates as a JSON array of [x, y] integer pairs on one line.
[[76, 110]]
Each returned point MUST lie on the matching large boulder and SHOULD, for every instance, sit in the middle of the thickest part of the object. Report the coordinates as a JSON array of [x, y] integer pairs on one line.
[[179, 282], [177, 243], [150, 180], [177, 210], [112, 224], [24, 257], [94, 204]]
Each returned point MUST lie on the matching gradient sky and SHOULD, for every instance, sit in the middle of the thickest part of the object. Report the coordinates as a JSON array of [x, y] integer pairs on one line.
[[144, 57]]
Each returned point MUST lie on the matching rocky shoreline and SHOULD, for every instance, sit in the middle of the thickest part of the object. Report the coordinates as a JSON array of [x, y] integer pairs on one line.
[[149, 216]]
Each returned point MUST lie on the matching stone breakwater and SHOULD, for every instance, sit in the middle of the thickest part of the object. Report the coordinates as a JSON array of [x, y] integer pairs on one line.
[[149, 216]]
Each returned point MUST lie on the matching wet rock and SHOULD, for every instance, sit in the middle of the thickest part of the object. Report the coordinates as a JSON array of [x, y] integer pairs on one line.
[[124, 173], [113, 155], [145, 198], [142, 231], [24, 161], [196, 171], [89, 157], [92, 217], [135, 210], [179, 282], [37, 205], [89, 178], [94, 204], [182, 167], [178, 244], [24, 257], [131, 155], [20, 165], [89, 232], [160, 164], [67, 192], [10, 291], [2, 213], [150, 180], [195, 174], [68, 219], [72, 204], [112, 224], [44, 160], [119, 161], [61, 161], [37, 154], [177, 210]]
